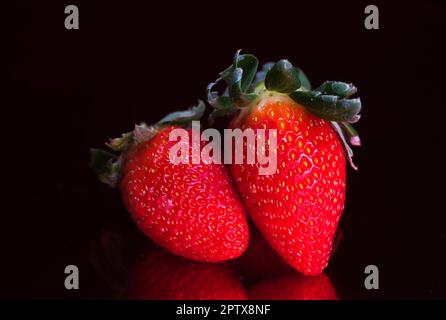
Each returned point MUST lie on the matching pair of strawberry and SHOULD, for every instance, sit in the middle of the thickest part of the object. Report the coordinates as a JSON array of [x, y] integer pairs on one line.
[[194, 210]]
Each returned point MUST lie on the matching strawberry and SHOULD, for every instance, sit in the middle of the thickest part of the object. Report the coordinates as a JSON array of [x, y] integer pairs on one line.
[[189, 209], [293, 286], [298, 207], [163, 276]]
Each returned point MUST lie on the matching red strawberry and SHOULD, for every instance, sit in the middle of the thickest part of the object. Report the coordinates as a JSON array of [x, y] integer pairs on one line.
[[297, 208], [163, 276], [259, 261], [190, 209], [293, 286]]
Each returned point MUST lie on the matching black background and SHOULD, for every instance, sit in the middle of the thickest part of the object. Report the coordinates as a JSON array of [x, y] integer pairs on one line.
[[132, 62]]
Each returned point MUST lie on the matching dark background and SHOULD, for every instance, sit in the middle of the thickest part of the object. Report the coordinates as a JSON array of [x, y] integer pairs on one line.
[[130, 62]]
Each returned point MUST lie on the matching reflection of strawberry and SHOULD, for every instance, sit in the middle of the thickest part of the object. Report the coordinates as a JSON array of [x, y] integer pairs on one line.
[[259, 260], [293, 286], [297, 208], [163, 276], [190, 209]]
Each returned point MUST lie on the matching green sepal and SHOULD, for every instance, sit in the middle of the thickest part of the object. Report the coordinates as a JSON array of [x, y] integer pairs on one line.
[[100, 159], [352, 134], [216, 114], [261, 75], [304, 81], [121, 143], [328, 107], [239, 77], [238, 93], [223, 106], [282, 77], [220, 102], [235, 91], [330, 101], [337, 88], [185, 117], [106, 165], [348, 150], [143, 132], [248, 65]]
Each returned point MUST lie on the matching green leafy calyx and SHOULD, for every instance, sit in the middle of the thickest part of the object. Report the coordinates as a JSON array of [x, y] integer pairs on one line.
[[108, 164], [245, 85]]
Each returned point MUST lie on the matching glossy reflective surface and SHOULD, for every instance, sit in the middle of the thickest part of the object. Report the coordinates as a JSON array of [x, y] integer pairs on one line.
[[152, 273]]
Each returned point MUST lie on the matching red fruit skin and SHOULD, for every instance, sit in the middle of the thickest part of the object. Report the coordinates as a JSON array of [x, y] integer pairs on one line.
[[293, 287], [298, 208], [259, 261], [163, 276], [189, 209]]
